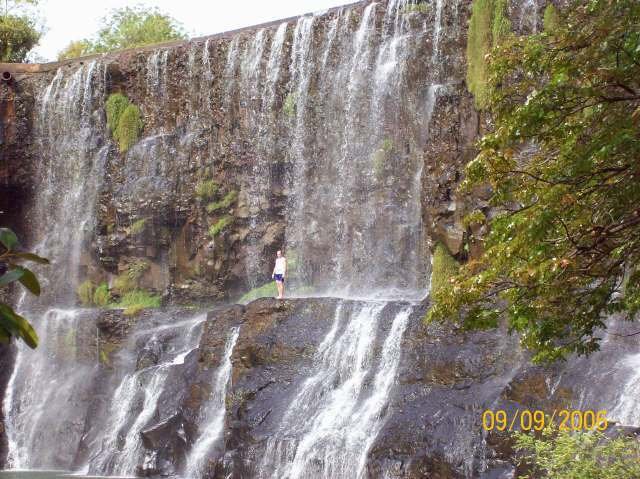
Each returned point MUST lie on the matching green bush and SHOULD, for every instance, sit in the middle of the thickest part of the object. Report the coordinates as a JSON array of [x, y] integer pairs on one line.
[[206, 189], [488, 25], [135, 301], [578, 455], [129, 127], [85, 293], [220, 225], [116, 104], [138, 226], [224, 203], [101, 295], [444, 267], [268, 290]]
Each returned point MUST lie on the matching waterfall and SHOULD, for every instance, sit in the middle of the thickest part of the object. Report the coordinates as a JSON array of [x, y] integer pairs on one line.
[[344, 121], [341, 415], [214, 412], [626, 410], [72, 156]]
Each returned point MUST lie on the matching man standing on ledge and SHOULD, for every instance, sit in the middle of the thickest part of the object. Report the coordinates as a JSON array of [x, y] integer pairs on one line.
[[279, 273]]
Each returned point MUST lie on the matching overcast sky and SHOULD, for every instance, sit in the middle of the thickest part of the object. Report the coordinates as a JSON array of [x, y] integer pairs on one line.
[[67, 20]]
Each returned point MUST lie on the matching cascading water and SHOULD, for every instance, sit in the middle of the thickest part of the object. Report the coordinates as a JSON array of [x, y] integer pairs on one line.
[[332, 119], [341, 415], [72, 159], [117, 445], [214, 412]]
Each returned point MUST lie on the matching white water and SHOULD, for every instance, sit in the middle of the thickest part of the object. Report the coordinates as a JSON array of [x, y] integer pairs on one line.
[[214, 412], [626, 411], [135, 400], [342, 416]]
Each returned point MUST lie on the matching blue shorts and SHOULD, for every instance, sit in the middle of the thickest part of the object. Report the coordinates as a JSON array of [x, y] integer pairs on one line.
[[279, 277]]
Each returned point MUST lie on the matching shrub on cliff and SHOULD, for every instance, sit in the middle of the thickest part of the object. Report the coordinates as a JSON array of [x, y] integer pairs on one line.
[[563, 248], [488, 25], [444, 267], [219, 226], [129, 128], [102, 295], [224, 203], [115, 105]]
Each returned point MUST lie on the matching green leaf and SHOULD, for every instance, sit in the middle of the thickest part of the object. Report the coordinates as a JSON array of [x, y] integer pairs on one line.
[[31, 257], [11, 276], [29, 280], [18, 326], [8, 238]]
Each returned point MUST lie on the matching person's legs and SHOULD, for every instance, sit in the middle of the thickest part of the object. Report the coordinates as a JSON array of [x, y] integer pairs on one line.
[[280, 286]]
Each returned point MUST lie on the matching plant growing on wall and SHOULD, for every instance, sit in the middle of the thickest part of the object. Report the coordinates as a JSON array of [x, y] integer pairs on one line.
[[488, 25], [124, 121], [11, 270], [224, 203]]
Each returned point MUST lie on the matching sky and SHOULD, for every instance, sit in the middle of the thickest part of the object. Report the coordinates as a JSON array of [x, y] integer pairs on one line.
[[67, 20]]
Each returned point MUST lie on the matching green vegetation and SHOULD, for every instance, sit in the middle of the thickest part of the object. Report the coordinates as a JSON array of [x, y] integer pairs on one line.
[[124, 120], [75, 49], [289, 105], [444, 268], [85, 293], [123, 283], [206, 189], [115, 105], [416, 8], [220, 225], [18, 31], [138, 226], [267, 290], [102, 296], [135, 301], [224, 203], [563, 249], [137, 268], [127, 27], [551, 20], [11, 323], [129, 128], [580, 455], [488, 26]]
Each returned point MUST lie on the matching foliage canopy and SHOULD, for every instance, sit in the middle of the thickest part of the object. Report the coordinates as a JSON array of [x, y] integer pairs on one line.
[[563, 162], [127, 27], [18, 31], [580, 455]]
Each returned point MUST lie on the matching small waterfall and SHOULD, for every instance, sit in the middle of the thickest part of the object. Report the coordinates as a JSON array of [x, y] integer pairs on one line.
[[133, 405], [342, 416], [214, 412]]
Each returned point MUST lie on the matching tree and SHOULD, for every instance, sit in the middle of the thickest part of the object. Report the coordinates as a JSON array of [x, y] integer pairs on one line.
[[76, 49], [18, 32], [128, 27], [563, 162], [578, 455], [11, 323]]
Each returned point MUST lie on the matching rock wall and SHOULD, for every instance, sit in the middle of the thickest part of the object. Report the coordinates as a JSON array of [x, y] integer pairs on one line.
[[203, 122]]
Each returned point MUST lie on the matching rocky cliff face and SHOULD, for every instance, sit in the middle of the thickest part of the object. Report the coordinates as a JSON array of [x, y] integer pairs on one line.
[[340, 136], [279, 135]]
